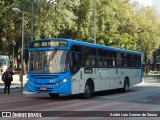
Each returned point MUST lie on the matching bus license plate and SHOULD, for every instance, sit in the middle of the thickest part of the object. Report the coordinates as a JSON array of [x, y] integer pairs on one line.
[[43, 88]]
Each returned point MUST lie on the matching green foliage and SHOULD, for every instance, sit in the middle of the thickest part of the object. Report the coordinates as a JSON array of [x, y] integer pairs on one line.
[[119, 23], [8, 24]]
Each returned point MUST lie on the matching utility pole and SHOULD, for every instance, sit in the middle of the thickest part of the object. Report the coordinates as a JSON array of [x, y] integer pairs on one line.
[[94, 21], [32, 20], [22, 67]]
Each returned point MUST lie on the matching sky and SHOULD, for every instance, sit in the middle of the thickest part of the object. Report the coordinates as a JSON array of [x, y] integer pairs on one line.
[[145, 2]]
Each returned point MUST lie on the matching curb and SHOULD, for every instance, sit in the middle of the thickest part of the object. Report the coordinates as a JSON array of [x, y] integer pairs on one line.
[[28, 93], [18, 86], [12, 86]]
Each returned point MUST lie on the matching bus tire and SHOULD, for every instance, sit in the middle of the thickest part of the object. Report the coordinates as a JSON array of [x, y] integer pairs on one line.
[[87, 91], [126, 85], [52, 95]]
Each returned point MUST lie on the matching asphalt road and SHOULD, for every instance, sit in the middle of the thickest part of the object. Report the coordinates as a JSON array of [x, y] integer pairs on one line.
[[141, 98], [147, 93]]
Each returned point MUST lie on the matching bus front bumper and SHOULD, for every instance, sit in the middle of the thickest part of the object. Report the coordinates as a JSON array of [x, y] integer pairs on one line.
[[59, 89]]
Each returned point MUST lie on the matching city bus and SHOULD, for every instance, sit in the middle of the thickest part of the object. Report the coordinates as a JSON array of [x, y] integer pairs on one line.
[[64, 66]]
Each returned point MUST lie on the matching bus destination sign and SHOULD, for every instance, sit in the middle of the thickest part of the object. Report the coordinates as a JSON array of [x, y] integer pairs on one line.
[[56, 43]]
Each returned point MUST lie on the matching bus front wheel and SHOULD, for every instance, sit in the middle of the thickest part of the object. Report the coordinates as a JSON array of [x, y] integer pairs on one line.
[[52, 95], [87, 92]]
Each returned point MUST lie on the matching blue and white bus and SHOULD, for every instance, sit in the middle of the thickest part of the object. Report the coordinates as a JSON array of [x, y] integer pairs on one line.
[[64, 66]]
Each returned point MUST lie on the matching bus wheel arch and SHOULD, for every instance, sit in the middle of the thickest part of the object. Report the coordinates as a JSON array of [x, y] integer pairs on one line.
[[89, 88], [126, 84]]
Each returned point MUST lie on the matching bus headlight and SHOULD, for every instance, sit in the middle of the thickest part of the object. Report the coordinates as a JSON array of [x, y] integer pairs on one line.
[[63, 81], [29, 82]]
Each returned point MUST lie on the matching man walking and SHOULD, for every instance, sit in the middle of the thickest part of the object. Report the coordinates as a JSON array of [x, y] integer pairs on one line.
[[7, 78]]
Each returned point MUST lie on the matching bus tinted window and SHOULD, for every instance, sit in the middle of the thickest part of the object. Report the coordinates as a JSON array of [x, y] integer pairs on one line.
[[75, 58], [119, 59], [126, 62], [131, 61], [102, 58], [111, 59], [89, 56], [138, 61]]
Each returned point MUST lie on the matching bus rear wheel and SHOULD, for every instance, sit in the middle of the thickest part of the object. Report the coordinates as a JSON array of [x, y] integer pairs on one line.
[[52, 95], [87, 92]]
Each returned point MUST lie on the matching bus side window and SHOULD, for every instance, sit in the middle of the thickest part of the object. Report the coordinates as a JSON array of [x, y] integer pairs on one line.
[[75, 58], [111, 59], [89, 56], [119, 59], [126, 63], [100, 58]]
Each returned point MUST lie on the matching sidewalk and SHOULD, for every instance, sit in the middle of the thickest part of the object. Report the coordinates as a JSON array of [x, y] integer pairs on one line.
[[16, 81], [150, 79]]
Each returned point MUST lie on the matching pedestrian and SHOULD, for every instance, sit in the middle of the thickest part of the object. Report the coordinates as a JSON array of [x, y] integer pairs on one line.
[[7, 78]]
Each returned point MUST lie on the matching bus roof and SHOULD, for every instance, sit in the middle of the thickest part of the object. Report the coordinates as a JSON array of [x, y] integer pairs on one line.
[[70, 42]]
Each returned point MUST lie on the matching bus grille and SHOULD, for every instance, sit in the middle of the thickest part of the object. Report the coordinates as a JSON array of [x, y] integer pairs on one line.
[[49, 83], [44, 83], [44, 76]]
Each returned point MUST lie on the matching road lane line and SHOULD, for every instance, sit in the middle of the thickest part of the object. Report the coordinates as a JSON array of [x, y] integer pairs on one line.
[[131, 93]]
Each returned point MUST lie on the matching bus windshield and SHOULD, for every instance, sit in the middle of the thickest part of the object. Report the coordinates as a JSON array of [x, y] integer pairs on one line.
[[54, 61]]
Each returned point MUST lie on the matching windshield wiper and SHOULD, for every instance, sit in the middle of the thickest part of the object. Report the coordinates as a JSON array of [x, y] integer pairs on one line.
[[52, 55]]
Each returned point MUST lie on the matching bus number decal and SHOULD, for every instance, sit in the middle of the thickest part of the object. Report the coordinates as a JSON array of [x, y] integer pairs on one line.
[[51, 81]]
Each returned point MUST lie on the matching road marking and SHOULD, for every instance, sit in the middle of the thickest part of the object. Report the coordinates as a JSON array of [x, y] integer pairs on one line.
[[131, 93]]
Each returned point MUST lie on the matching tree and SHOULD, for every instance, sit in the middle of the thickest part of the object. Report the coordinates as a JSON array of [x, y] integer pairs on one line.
[[54, 19], [148, 31], [120, 23]]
